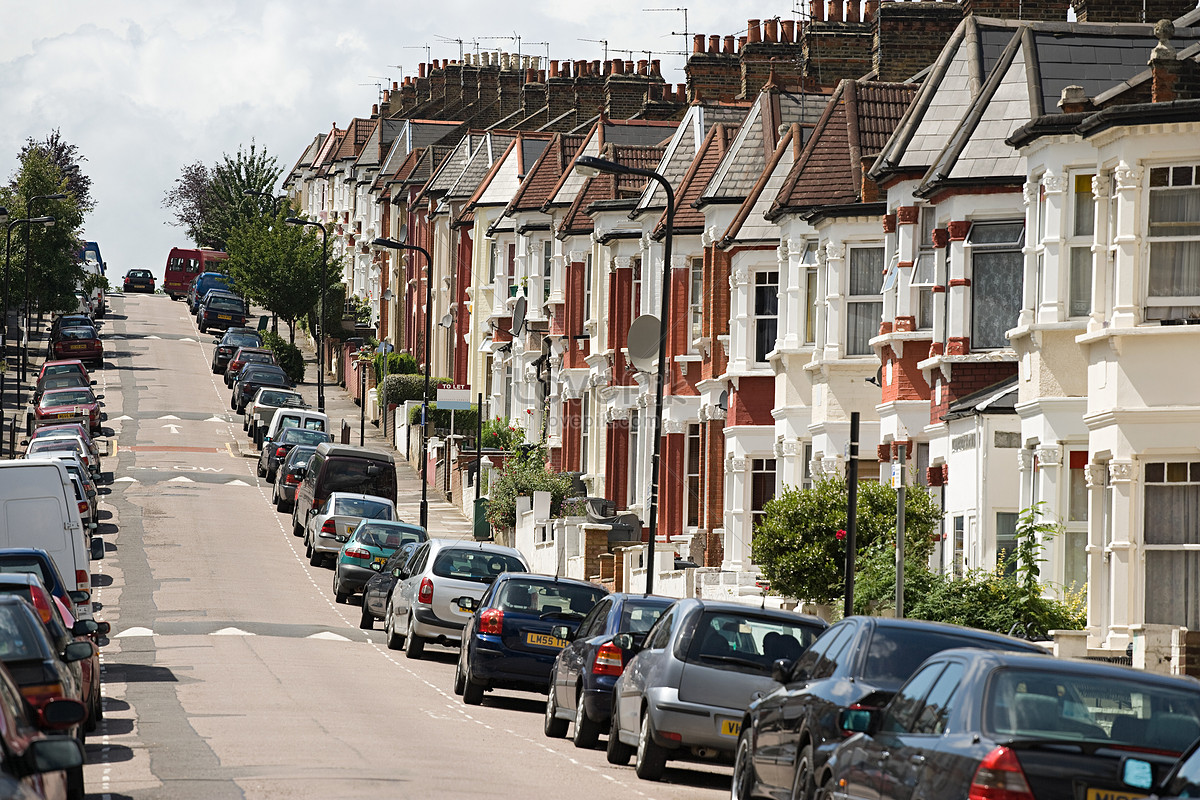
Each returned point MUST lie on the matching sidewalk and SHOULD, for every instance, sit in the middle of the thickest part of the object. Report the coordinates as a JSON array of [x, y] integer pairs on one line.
[[445, 519]]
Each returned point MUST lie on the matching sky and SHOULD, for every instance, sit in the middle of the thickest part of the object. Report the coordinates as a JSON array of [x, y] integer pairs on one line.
[[145, 87]]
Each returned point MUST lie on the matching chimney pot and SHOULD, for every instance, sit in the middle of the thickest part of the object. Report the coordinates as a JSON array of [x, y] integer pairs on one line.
[[698, 43], [643, 67], [541, 75], [714, 44], [753, 31], [817, 9], [374, 109], [728, 48], [851, 10], [628, 67], [788, 30], [681, 92], [596, 68], [553, 69], [771, 31], [616, 67], [535, 62], [741, 43], [871, 12], [656, 67], [835, 11], [530, 76]]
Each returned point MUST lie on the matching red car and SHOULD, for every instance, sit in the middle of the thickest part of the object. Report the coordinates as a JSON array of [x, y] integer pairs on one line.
[[78, 342], [62, 366], [35, 762], [68, 403]]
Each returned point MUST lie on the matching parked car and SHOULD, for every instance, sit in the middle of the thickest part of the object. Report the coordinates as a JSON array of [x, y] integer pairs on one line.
[[89, 502], [342, 468], [39, 562], [71, 321], [587, 668], [80, 342], [263, 406], [58, 449], [67, 404], [517, 630], [256, 354], [139, 280], [228, 344], [203, 284], [221, 311], [68, 380], [289, 475], [51, 429], [378, 589], [337, 518], [285, 417], [276, 449], [366, 550], [63, 365], [426, 603], [1182, 779], [790, 732], [1003, 724], [684, 693], [255, 377], [34, 758]]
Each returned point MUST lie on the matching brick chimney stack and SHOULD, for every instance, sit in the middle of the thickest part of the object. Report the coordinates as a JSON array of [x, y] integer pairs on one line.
[[1173, 78], [766, 50], [510, 80], [1130, 11], [909, 36], [1032, 10]]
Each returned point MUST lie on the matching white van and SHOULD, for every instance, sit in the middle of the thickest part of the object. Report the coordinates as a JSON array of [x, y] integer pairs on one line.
[[38, 509], [295, 418]]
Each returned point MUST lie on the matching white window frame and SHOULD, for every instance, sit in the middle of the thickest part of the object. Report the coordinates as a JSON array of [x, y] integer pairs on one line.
[[696, 296], [1185, 304], [693, 452], [587, 288], [871, 297], [757, 279], [1079, 244], [810, 264], [984, 248]]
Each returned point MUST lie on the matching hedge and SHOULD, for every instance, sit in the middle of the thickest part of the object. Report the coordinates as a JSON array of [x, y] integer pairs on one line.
[[397, 364], [287, 354], [466, 422], [399, 389]]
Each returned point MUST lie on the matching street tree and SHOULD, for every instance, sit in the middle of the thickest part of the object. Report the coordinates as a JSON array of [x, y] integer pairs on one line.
[[188, 200], [210, 202], [278, 266], [67, 158]]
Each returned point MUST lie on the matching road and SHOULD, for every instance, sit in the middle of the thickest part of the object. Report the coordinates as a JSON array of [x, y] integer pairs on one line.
[[230, 671]]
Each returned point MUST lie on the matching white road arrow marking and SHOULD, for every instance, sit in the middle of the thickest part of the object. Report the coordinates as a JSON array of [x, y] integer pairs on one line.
[[180, 479], [185, 339], [328, 635], [237, 483], [231, 632], [134, 632], [168, 416], [174, 428], [153, 337], [215, 419]]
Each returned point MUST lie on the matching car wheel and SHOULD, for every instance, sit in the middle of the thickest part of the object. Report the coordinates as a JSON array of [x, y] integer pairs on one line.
[[743, 771], [825, 790], [296, 529], [246, 426], [258, 468], [552, 726], [270, 474], [367, 620], [202, 328], [338, 595], [472, 692], [651, 758], [802, 784], [587, 730], [394, 640], [414, 645], [617, 752], [459, 681]]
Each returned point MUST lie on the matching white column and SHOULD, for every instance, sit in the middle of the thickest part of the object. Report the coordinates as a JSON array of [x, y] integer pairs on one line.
[[1123, 578], [1125, 269], [1101, 192], [1055, 268], [1097, 558], [737, 515], [835, 262]]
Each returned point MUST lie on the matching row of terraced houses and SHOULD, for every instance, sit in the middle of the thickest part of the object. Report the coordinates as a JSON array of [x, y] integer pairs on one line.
[[976, 224]]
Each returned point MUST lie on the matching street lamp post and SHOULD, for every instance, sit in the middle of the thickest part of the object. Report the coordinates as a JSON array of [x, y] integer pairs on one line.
[[4, 302], [394, 244], [29, 211], [321, 310], [591, 166]]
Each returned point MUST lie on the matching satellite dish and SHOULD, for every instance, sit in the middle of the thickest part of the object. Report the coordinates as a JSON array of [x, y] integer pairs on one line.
[[518, 315], [446, 321], [402, 234], [643, 342], [387, 295]]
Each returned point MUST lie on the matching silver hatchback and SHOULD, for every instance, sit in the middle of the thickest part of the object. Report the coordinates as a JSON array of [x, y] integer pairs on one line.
[[426, 601]]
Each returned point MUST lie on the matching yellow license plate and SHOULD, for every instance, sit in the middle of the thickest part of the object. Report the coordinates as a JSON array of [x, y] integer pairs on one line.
[[224, 316], [79, 347], [545, 640], [731, 727], [1113, 794], [381, 559]]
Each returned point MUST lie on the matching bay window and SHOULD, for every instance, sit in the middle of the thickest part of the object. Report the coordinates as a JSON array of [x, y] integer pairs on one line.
[[997, 267], [766, 313], [864, 307], [1174, 235]]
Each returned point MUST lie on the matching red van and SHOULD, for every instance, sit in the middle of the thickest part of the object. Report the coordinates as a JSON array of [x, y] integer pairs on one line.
[[184, 264]]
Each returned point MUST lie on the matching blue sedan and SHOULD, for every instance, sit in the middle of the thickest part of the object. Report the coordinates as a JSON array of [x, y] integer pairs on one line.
[[582, 680], [516, 631]]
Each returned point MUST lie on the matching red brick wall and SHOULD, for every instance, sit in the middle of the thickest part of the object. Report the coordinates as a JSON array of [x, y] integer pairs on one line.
[[679, 335], [715, 320], [968, 379], [672, 478], [620, 288], [572, 411], [1045, 10], [908, 382], [462, 321], [712, 488], [752, 402], [909, 37], [616, 462], [572, 312]]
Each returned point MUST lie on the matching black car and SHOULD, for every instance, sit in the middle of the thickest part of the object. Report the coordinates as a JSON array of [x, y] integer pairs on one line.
[[788, 735], [379, 586], [221, 311], [139, 280], [275, 451], [516, 631], [583, 675], [1181, 780], [288, 476], [1014, 725], [250, 380], [229, 344]]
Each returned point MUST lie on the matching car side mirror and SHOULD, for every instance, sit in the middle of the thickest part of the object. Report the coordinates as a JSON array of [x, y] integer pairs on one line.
[[563, 632], [99, 397], [1137, 773], [51, 754], [467, 604], [77, 651], [858, 720], [103, 628], [91, 493], [91, 383], [628, 642], [302, 470], [85, 627], [97, 549], [60, 714], [397, 573], [375, 565], [781, 670]]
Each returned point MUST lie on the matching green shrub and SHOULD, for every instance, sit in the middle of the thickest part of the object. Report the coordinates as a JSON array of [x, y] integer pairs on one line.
[[465, 421], [397, 364], [523, 473], [287, 354], [500, 434], [399, 389]]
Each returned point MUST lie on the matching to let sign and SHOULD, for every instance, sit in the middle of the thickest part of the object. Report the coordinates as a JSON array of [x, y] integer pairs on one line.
[[454, 399]]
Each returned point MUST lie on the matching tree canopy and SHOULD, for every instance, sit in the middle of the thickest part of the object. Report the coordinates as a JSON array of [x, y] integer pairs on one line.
[[210, 202]]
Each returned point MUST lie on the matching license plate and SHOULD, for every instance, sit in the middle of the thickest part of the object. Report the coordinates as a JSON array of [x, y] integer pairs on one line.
[[224, 316], [545, 640], [78, 347], [731, 727], [381, 559], [1113, 794], [67, 415]]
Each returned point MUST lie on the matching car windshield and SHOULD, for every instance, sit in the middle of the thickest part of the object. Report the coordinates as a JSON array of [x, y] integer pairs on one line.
[[474, 565], [254, 357], [66, 381], [303, 436], [350, 475], [61, 369], [140, 273], [271, 397], [1122, 710], [226, 304], [387, 537], [299, 455], [895, 653], [360, 507], [242, 340], [77, 333], [44, 445], [548, 600], [19, 563], [68, 397], [19, 637], [638, 616], [733, 640]]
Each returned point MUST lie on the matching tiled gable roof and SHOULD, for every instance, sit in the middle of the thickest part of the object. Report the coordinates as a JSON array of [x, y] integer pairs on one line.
[[680, 151], [309, 154], [379, 143], [356, 137], [712, 150], [328, 148], [492, 146], [541, 178], [504, 178], [750, 223], [608, 186]]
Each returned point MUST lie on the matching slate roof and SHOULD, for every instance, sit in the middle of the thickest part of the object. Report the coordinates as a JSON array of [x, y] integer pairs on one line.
[[688, 217], [545, 173], [757, 138], [379, 143], [681, 149], [491, 146], [328, 148], [608, 186], [750, 224], [501, 183], [355, 139], [601, 134], [857, 122], [309, 154]]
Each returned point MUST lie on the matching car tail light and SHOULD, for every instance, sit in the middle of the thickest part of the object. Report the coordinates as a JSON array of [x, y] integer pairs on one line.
[[491, 621], [329, 527], [41, 601], [357, 552], [83, 581], [425, 593], [38, 694], [609, 660], [671, 736], [280, 452], [83, 507], [291, 479], [999, 777]]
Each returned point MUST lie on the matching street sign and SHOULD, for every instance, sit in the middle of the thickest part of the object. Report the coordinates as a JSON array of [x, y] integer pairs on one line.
[[454, 399]]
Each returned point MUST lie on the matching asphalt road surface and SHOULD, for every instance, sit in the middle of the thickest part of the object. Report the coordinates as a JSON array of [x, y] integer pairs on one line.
[[230, 671]]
